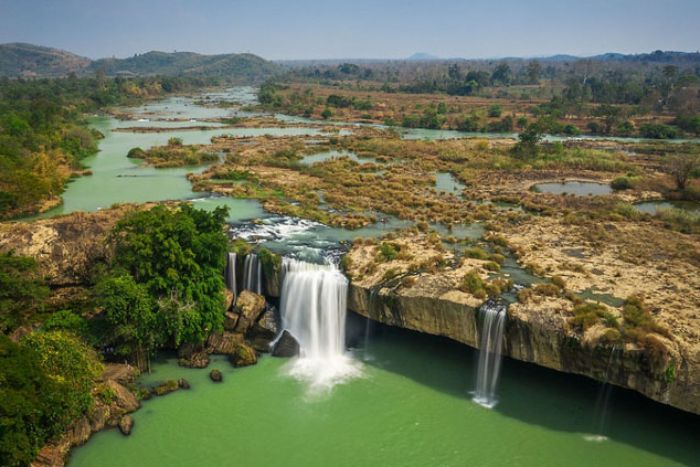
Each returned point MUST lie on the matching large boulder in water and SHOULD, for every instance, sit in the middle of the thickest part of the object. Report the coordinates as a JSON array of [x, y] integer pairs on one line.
[[224, 343], [216, 376], [286, 346], [268, 321], [191, 356], [249, 307], [244, 355], [126, 424]]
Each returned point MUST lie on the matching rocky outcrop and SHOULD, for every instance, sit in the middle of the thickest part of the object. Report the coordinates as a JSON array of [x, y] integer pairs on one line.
[[244, 355], [67, 248], [286, 346], [108, 412], [539, 334], [126, 424], [249, 307]]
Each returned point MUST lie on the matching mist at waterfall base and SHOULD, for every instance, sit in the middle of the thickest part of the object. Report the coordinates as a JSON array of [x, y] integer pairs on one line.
[[313, 307]]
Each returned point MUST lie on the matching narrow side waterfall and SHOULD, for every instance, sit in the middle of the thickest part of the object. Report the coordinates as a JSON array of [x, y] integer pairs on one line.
[[252, 273], [493, 315], [231, 274], [313, 308], [601, 411]]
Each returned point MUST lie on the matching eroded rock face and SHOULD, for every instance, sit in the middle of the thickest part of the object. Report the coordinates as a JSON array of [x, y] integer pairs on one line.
[[67, 247], [249, 307]]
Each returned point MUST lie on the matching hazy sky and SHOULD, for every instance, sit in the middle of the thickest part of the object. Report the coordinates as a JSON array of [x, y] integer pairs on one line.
[[354, 28]]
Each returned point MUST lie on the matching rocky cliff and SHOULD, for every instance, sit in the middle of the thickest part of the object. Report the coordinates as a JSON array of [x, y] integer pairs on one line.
[[423, 288], [538, 336]]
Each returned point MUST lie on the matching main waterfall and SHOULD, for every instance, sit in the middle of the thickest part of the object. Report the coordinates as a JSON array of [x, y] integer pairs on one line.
[[493, 315], [313, 310]]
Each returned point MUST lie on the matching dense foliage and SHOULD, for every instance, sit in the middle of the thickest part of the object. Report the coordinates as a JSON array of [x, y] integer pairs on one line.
[[167, 285], [45, 383], [21, 290]]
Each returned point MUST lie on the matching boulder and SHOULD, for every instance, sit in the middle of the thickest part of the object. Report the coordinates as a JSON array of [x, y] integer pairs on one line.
[[165, 387], [183, 383], [216, 376], [126, 424], [286, 346], [124, 399], [120, 372], [223, 343], [230, 320], [268, 321], [228, 299], [243, 356], [192, 357], [261, 338], [249, 307]]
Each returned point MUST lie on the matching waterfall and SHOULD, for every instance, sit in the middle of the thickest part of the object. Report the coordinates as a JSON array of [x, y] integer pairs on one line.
[[231, 274], [252, 274], [601, 411], [493, 315], [366, 355], [313, 310]]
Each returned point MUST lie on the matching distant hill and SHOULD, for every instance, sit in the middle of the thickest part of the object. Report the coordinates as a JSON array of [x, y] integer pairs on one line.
[[29, 60], [422, 57], [658, 56], [18, 59], [245, 67]]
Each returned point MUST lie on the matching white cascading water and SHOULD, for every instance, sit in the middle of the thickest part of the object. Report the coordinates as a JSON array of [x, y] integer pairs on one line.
[[252, 274], [313, 310], [231, 274], [493, 316]]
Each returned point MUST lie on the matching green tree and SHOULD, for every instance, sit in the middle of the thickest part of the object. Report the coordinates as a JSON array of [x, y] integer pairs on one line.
[[45, 384], [680, 167], [27, 418], [502, 74], [129, 318], [534, 71], [22, 292], [178, 254]]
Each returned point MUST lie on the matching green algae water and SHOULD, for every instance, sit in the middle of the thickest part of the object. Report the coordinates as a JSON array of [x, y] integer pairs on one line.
[[118, 179], [411, 407]]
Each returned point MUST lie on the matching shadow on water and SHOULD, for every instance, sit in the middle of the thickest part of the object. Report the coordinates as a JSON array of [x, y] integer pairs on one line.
[[532, 394]]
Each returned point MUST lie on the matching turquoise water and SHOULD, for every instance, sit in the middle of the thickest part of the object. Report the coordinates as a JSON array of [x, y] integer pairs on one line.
[[447, 183], [574, 188], [333, 154], [652, 207], [411, 407], [118, 179]]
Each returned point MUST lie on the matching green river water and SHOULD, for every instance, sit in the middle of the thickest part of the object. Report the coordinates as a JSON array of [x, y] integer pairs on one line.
[[411, 407]]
